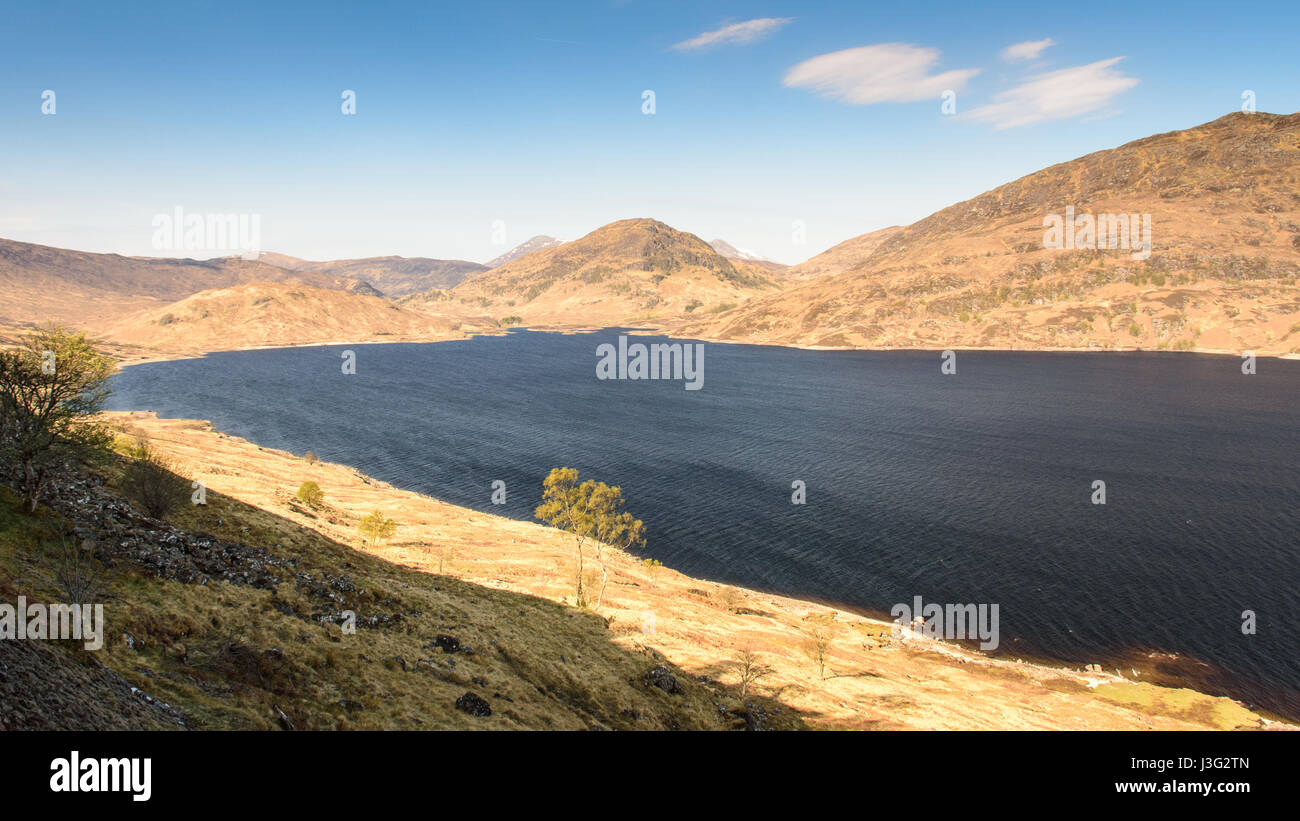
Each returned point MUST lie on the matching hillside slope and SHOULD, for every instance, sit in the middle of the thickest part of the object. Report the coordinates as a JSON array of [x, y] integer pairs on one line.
[[627, 271], [274, 313], [233, 617], [1223, 201], [842, 257]]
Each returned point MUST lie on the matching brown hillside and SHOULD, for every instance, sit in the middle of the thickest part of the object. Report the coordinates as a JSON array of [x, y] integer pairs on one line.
[[842, 257], [1224, 203], [274, 313]]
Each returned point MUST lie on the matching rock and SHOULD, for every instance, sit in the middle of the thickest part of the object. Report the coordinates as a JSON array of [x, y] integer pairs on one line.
[[473, 704], [448, 644], [663, 679], [753, 716]]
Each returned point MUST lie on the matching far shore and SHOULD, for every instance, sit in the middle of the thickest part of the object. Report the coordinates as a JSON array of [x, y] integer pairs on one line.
[[150, 357]]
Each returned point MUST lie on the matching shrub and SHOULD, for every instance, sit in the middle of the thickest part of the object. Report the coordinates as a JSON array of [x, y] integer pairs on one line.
[[152, 484], [310, 457], [310, 494], [375, 527], [51, 387]]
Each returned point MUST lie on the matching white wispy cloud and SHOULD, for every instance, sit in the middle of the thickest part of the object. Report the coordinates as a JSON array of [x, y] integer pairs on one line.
[[1028, 50], [1055, 95], [750, 31], [884, 73]]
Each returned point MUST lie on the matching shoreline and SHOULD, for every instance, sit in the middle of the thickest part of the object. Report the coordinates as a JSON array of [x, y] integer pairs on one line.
[[488, 549], [163, 356]]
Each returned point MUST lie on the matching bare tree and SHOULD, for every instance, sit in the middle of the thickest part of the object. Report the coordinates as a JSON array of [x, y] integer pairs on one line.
[[75, 571], [750, 670], [817, 643]]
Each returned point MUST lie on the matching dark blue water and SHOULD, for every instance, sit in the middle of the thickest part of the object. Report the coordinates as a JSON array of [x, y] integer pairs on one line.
[[967, 488]]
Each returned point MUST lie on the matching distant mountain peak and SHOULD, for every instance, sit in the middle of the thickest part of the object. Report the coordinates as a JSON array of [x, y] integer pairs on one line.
[[537, 243], [732, 252]]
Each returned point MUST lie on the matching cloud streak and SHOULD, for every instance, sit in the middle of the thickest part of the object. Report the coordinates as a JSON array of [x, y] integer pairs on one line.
[[884, 73], [1028, 50], [750, 31], [1055, 95]]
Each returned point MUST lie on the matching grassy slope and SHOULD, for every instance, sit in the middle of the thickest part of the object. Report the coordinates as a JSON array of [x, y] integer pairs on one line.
[[230, 656]]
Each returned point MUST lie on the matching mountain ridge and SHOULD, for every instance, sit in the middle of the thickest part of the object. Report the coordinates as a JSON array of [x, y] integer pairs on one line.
[[392, 276], [628, 270], [1221, 274]]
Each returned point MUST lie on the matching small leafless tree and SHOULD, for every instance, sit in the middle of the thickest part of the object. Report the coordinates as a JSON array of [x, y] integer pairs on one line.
[[817, 643], [750, 670], [75, 571]]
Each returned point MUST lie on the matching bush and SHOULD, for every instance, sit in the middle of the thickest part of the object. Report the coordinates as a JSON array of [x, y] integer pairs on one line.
[[310, 457], [51, 387], [310, 494], [375, 527], [152, 484]]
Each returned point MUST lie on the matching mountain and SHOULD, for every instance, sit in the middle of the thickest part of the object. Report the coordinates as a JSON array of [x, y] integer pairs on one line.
[[273, 313], [537, 243], [391, 276], [627, 271], [1224, 212], [41, 283]]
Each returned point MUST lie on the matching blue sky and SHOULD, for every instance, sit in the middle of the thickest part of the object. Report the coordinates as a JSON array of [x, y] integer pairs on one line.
[[529, 115]]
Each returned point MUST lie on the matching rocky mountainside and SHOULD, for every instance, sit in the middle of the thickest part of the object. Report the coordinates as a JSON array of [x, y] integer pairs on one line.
[[1223, 204]]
